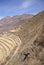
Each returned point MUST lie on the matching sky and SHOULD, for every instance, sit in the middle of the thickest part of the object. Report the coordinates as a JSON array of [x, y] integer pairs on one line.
[[18, 7]]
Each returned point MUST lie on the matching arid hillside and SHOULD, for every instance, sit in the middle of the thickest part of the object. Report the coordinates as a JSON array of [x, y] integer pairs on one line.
[[24, 44], [8, 22]]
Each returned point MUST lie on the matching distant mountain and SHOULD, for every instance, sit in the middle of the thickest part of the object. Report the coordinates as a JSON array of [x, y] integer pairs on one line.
[[11, 22]]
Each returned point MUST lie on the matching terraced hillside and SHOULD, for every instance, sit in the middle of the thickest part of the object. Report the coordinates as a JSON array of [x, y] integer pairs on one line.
[[8, 44], [28, 33], [24, 45]]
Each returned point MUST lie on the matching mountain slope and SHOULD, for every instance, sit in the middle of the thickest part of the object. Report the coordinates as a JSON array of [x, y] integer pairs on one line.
[[8, 23], [28, 33], [31, 36]]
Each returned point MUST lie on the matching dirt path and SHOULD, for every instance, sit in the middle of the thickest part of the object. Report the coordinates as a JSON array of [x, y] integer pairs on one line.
[[19, 44], [17, 50]]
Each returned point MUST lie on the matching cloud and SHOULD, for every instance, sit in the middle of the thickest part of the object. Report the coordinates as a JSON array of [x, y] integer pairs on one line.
[[25, 4], [20, 7], [23, 7]]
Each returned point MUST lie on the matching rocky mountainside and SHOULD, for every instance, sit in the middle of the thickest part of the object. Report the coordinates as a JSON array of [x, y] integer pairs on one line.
[[25, 43], [8, 22]]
